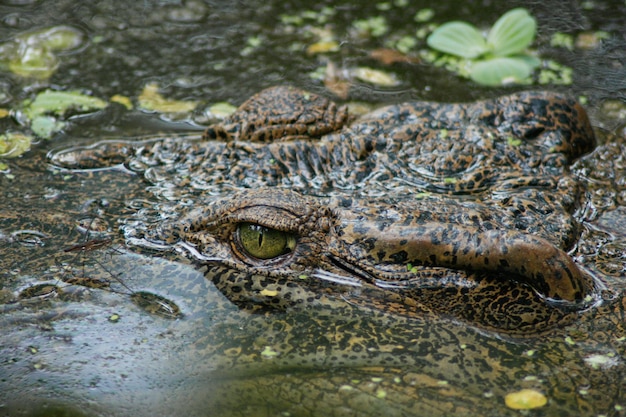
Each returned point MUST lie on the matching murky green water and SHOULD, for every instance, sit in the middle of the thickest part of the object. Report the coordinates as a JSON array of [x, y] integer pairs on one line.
[[105, 355]]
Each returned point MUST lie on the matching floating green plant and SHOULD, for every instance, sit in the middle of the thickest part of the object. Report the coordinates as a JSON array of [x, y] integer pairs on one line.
[[13, 144], [46, 114], [497, 59], [33, 54]]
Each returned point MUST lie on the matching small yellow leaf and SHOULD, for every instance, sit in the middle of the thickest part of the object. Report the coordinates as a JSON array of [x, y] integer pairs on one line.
[[375, 77], [322, 47], [525, 399], [151, 99], [268, 352], [221, 110], [123, 100], [13, 144], [269, 293]]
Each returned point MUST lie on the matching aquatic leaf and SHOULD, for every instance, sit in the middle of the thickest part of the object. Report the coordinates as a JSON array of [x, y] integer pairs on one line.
[[458, 38], [562, 40], [123, 100], [269, 352], [525, 399], [14, 144], [31, 54], [60, 102], [55, 38], [322, 47], [46, 126], [151, 99], [424, 15], [44, 111], [590, 40], [500, 71], [252, 44], [513, 141], [375, 77], [512, 33], [374, 26], [532, 61], [221, 110], [406, 44], [33, 61]]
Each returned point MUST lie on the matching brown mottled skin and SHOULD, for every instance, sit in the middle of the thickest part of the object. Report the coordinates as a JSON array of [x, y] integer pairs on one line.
[[483, 227], [297, 114], [419, 254], [465, 210]]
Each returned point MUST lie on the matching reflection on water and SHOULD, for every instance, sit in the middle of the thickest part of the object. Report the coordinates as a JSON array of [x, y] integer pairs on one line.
[[89, 327]]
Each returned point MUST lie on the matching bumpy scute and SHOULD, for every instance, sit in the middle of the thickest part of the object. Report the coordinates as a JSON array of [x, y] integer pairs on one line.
[[280, 113]]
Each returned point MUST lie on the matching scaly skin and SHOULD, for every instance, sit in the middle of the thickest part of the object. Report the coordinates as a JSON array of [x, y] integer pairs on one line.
[[478, 205]]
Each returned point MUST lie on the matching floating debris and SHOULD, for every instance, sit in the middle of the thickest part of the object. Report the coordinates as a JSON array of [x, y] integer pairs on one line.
[[150, 99], [33, 54], [269, 352], [13, 144], [123, 100], [601, 361], [220, 110], [525, 399], [45, 113], [375, 77]]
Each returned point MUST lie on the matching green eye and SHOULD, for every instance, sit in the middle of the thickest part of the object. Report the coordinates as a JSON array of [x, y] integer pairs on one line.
[[264, 243]]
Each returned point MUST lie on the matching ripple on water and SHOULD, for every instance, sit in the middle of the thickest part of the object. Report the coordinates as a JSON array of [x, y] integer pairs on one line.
[[29, 238]]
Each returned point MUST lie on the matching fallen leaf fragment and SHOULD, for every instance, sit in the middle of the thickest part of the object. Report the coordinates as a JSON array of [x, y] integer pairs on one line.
[[525, 399], [376, 77], [151, 99], [391, 56]]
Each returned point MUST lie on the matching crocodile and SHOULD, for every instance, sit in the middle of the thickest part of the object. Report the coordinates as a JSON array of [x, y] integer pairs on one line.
[[462, 209], [424, 258]]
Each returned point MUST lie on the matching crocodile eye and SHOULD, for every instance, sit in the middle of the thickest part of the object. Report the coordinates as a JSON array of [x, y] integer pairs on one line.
[[264, 243]]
